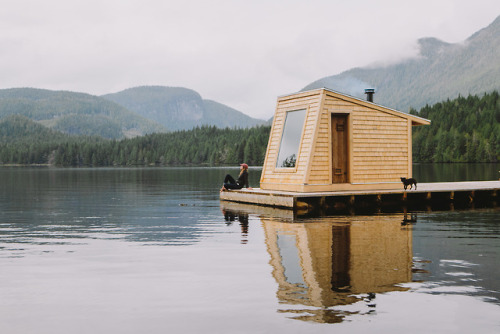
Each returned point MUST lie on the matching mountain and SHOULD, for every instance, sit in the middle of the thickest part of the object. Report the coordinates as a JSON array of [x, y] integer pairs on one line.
[[179, 108], [440, 71], [74, 113]]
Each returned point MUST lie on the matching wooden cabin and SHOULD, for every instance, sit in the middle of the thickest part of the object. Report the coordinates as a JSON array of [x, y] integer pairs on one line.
[[322, 140]]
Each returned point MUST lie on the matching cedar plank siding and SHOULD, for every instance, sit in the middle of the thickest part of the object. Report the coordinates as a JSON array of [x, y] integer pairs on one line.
[[380, 146], [320, 172]]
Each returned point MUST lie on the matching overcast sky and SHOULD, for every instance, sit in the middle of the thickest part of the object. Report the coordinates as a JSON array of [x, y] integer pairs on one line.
[[241, 53]]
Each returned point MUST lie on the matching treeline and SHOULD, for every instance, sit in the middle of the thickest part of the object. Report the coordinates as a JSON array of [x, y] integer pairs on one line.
[[206, 145], [462, 130], [466, 129]]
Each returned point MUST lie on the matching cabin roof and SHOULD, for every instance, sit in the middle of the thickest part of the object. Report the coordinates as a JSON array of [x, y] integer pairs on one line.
[[416, 120]]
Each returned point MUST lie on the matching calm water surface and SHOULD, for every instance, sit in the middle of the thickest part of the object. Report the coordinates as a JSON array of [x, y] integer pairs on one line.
[[154, 251]]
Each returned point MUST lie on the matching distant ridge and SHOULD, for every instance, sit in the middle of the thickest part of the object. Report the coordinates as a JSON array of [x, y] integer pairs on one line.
[[179, 108], [441, 71], [133, 112], [74, 113]]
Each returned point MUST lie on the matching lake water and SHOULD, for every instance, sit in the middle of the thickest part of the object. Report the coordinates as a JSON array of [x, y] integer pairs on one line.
[[154, 251]]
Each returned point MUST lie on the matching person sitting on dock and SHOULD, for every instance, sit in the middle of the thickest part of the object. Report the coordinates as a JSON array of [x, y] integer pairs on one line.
[[230, 183]]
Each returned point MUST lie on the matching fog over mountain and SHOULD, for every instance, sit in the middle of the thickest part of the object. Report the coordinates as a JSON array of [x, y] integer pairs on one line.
[[440, 71]]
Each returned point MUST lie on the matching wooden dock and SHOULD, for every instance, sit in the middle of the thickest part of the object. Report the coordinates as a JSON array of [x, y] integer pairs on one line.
[[442, 195]]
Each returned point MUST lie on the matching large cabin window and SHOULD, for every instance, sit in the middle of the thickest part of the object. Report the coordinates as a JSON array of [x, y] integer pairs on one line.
[[290, 140]]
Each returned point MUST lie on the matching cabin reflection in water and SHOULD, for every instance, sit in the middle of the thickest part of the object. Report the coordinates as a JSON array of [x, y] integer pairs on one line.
[[338, 261]]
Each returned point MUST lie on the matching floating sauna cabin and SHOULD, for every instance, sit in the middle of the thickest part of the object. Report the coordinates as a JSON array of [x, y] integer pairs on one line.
[[322, 140]]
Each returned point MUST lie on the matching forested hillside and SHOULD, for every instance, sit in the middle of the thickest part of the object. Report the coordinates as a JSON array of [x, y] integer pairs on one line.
[[16, 128], [205, 145], [132, 112], [462, 130], [75, 113], [23, 141]]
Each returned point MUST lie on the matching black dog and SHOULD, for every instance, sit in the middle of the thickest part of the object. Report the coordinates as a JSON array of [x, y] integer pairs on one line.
[[409, 182]]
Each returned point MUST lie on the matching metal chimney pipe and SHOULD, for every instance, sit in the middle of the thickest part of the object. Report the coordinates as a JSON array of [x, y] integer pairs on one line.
[[369, 94]]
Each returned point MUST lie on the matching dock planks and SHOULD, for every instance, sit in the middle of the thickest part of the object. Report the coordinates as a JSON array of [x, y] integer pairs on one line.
[[461, 193]]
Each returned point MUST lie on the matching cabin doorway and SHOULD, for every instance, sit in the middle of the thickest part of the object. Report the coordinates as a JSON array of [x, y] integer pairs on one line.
[[339, 148]]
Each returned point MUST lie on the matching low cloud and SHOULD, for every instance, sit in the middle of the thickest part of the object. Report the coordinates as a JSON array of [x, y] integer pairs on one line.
[[243, 54]]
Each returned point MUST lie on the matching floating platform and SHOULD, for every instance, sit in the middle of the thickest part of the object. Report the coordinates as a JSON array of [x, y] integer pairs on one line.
[[442, 195]]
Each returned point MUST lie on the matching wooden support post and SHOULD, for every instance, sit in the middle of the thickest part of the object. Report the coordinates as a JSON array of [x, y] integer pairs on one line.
[[352, 200], [452, 195], [322, 202], [471, 197], [351, 211], [428, 196], [405, 196]]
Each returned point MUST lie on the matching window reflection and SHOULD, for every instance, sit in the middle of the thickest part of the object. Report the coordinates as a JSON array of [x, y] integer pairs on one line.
[[287, 245], [290, 140]]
